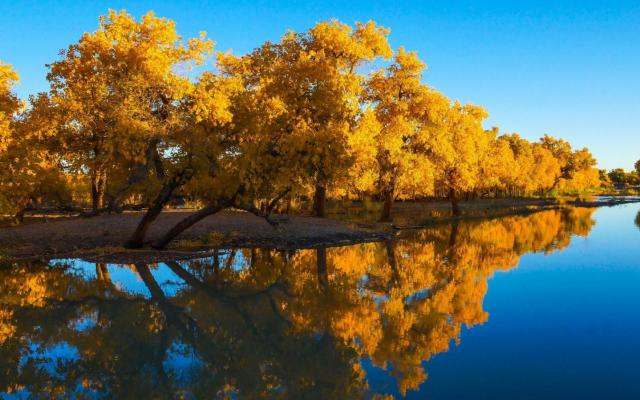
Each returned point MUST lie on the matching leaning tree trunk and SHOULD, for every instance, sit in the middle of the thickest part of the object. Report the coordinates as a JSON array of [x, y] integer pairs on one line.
[[319, 200], [136, 240], [455, 207], [185, 224]]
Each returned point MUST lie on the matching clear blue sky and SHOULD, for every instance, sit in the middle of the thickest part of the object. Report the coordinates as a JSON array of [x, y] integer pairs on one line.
[[567, 68]]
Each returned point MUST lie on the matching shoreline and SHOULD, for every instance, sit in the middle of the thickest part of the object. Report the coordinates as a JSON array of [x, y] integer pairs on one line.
[[100, 238]]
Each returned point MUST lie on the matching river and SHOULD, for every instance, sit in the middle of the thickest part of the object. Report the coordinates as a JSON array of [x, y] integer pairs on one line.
[[545, 305]]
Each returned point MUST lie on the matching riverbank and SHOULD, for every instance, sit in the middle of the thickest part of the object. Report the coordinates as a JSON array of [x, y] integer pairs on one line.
[[101, 237]]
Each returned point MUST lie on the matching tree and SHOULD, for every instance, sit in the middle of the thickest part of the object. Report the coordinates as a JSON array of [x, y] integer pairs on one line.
[[204, 152], [404, 109], [294, 106], [458, 148], [577, 170], [9, 106], [118, 94], [30, 175], [309, 85]]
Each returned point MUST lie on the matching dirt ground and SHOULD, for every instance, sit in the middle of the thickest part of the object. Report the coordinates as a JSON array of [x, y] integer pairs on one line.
[[44, 237], [103, 236]]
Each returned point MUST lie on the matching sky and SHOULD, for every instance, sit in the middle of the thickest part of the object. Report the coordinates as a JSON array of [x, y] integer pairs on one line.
[[567, 68]]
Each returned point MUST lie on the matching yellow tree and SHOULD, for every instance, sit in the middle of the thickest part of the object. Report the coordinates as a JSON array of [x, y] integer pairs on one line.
[[30, 174], [291, 111], [204, 156], [404, 109], [9, 103], [118, 91], [9, 106], [577, 170], [310, 84], [524, 167], [499, 168], [458, 148]]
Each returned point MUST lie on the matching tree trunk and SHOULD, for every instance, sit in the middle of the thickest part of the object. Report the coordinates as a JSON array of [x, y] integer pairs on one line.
[[136, 240], [187, 223], [319, 200], [288, 207], [153, 158], [455, 207], [23, 206], [389, 197], [98, 190], [18, 218]]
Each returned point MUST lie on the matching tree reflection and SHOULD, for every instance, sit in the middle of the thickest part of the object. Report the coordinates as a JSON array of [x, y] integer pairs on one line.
[[261, 323]]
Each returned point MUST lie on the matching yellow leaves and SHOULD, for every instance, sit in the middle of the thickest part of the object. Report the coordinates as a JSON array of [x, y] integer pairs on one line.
[[8, 78], [7, 328], [9, 103], [373, 38], [291, 114], [211, 98]]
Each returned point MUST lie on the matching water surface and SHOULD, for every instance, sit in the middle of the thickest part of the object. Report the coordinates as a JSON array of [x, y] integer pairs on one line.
[[523, 307]]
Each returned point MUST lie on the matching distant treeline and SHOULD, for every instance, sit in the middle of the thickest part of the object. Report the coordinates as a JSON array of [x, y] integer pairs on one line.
[[619, 178], [305, 118]]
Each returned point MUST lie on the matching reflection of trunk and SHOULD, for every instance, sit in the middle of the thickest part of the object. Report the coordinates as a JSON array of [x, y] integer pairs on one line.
[[156, 291], [455, 207], [171, 312], [453, 240], [393, 262], [98, 189], [321, 266], [186, 223], [189, 278], [136, 240], [102, 273], [319, 199], [216, 261], [453, 236]]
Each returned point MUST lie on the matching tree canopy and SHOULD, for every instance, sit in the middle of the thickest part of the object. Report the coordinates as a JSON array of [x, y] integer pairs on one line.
[[330, 112]]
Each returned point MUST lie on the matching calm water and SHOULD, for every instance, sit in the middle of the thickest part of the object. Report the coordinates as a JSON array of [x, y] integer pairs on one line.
[[527, 307]]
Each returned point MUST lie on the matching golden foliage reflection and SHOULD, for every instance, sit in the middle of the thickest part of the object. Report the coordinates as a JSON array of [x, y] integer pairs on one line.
[[257, 323]]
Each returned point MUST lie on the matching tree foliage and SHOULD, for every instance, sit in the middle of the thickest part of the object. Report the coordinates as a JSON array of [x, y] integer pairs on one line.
[[332, 111]]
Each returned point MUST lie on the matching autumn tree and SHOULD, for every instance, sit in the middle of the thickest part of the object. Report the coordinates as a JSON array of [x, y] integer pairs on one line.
[[576, 166], [458, 149], [309, 86], [203, 153], [31, 175], [293, 106], [405, 110], [9, 106], [118, 94]]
